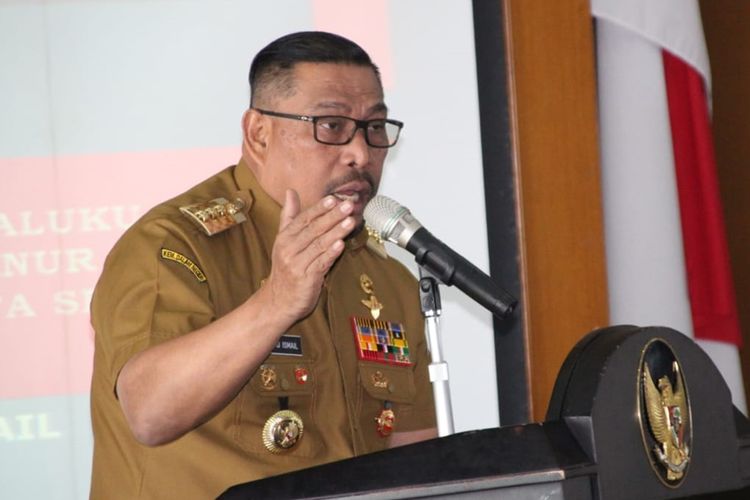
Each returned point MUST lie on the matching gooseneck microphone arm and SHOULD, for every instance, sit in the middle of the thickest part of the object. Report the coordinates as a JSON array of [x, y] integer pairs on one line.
[[396, 224], [437, 262], [452, 269], [429, 298]]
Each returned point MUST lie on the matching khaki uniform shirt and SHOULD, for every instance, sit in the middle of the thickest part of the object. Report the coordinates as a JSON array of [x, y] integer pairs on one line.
[[166, 277]]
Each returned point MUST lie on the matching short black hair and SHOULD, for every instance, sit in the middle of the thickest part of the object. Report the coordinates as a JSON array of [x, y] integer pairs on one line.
[[271, 67]]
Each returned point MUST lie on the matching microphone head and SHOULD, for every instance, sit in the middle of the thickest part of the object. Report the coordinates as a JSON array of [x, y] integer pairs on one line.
[[390, 220], [381, 214]]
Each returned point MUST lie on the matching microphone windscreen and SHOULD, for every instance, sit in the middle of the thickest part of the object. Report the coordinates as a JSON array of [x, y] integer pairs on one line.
[[382, 215]]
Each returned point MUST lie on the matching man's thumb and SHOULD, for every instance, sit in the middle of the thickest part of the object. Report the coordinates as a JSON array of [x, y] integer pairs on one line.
[[290, 209]]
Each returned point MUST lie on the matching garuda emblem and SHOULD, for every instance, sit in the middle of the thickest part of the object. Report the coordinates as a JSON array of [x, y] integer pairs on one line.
[[669, 421]]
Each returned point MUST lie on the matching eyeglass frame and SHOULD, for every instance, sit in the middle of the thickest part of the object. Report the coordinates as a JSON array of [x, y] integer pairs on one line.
[[359, 124]]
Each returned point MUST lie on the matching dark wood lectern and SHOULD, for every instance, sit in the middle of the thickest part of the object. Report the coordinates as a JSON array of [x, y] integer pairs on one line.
[[636, 413]]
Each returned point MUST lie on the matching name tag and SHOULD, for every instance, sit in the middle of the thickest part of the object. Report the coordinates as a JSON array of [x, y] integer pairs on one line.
[[288, 345]]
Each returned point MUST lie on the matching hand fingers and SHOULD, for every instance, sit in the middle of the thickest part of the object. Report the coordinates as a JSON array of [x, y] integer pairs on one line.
[[308, 244], [316, 238], [313, 240], [323, 209], [324, 249], [311, 224], [290, 210]]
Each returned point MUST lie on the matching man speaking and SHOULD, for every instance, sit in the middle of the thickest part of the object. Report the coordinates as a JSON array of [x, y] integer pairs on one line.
[[249, 326]]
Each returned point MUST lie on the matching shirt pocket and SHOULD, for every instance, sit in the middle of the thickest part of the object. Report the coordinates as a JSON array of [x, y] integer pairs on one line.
[[278, 378], [384, 387]]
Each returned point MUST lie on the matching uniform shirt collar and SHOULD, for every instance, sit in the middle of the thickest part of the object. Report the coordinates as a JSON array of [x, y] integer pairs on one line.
[[263, 210]]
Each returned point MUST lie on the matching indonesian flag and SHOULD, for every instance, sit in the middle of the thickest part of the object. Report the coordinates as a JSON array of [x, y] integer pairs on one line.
[[667, 256]]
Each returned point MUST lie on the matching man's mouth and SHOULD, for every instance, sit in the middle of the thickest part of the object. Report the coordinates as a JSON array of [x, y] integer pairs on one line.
[[357, 188], [350, 196], [357, 192]]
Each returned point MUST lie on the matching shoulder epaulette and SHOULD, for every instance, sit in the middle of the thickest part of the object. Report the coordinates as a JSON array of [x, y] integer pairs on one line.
[[375, 242], [216, 215]]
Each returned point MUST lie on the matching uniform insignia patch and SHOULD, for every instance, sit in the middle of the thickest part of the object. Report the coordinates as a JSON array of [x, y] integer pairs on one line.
[[216, 215], [379, 380], [268, 377], [381, 341], [178, 257], [282, 431], [385, 421], [301, 375], [375, 242], [372, 302]]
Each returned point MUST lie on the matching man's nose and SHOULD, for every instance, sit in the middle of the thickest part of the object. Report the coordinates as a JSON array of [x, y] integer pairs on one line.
[[358, 151]]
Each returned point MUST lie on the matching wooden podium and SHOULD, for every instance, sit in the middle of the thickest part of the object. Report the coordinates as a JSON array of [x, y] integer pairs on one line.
[[637, 413]]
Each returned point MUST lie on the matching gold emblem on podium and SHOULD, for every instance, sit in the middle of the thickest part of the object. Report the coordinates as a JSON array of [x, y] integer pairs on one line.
[[664, 413], [282, 431]]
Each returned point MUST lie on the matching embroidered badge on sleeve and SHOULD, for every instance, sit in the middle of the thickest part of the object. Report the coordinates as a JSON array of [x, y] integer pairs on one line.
[[178, 257]]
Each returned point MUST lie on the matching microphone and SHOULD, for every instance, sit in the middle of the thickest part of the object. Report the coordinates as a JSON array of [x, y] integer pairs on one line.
[[395, 223]]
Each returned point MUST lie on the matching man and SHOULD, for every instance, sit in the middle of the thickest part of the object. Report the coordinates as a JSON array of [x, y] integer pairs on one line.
[[249, 327]]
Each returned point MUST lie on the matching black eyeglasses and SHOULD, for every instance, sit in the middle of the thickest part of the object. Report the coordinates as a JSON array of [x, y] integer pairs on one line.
[[340, 130]]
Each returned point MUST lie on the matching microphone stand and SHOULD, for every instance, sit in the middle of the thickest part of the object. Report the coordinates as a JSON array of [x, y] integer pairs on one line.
[[429, 298]]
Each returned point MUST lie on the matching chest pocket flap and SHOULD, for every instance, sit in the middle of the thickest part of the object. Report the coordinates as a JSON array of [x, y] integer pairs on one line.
[[384, 382]]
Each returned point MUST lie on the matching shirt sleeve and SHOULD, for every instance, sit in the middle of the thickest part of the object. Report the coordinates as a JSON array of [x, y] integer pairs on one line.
[[152, 289]]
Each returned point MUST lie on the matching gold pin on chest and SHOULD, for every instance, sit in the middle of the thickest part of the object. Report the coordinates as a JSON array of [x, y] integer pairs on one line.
[[371, 302], [282, 431], [379, 380], [268, 377], [375, 243], [385, 422]]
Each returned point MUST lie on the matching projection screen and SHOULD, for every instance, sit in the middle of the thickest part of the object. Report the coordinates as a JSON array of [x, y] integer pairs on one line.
[[108, 107]]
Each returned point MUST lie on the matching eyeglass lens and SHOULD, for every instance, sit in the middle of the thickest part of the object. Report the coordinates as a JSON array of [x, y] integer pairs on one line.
[[340, 130]]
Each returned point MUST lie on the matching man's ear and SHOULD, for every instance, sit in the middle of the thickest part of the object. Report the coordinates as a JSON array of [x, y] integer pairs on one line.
[[255, 131]]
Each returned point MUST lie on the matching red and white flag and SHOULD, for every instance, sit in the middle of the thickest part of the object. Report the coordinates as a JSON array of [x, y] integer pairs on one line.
[[667, 257]]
